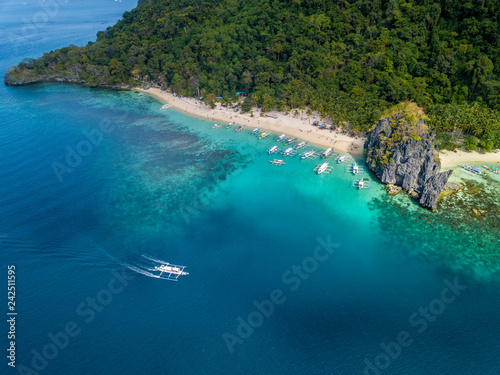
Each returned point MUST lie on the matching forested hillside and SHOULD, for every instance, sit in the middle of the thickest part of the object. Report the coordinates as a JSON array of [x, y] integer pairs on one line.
[[348, 59]]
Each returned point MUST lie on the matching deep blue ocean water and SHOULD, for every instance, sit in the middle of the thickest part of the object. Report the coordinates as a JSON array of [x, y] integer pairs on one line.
[[162, 185]]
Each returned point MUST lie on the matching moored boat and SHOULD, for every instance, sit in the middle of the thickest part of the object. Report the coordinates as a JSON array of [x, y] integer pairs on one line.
[[355, 168], [263, 135], [230, 125], [240, 128], [290, 140], [273, 150], [327, 153], [277, 162], [300, 145], [308, 154], [322, 168], [216, 126], [361, 184], [255, 131], [281, 137], [343, 158], [288, 151]]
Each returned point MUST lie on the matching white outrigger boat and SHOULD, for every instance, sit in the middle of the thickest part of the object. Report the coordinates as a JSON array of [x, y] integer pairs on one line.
[[355, 169], [290, 141], [323, 168], [288, 151], [165, 106], [277, 162], [343, 158], [216, 126], [272, 150], [263, 135], [327, 153], [300, 145], [230, 125], [308, 154], [173, 271], [281, 137], [240, 128], [364, 183], [255, 131]]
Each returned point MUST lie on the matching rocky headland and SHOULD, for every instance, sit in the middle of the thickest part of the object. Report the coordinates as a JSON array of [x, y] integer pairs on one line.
[[402, 155]]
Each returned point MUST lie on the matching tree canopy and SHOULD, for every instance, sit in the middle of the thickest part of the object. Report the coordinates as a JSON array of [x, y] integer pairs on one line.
[[348, 59]]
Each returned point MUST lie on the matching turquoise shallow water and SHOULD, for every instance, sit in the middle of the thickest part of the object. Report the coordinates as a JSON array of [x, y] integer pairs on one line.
[[167, 185]]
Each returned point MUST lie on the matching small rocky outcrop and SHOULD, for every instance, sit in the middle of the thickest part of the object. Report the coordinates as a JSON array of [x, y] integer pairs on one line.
[[403, 154]]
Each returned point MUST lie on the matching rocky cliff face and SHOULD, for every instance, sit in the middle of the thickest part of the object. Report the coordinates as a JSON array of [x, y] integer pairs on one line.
[[404, 155]]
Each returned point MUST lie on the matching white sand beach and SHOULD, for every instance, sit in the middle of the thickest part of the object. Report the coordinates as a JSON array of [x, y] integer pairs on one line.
[[450, 157], [294, 126], [297, 126]]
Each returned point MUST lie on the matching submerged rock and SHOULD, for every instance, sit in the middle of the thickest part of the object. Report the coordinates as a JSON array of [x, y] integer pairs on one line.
[[403, 154]]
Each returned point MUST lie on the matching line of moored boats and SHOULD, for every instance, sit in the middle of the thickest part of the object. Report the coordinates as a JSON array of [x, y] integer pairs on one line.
[[292, 150]]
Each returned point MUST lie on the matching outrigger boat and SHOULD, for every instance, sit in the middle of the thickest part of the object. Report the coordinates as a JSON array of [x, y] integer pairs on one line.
[[165, 106], [492, 169], [230, 125], [173, 270], [308, 154], [300, 145], [355, 169], [273, 150], [240, 128], [343, 158], [216, 126], [364, 183], [288, 151], [473, 169], [290, 140], [327, 153], [263, 135], [255, 131], [281, 137], [277, 162], [322, 168]]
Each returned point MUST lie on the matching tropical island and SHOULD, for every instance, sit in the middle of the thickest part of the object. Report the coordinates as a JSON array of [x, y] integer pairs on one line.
[[347, 62]]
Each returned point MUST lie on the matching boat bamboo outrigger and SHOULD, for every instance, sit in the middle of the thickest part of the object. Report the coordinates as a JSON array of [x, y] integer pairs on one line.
[[255, 131], [327, 153], [173, 271], [277, 162], [308, 154], [273, 150], [216, 126], [364, 183], [323, 168], [230, 125], [240, 128], [343, 158], [281, 137], [290, 141], [300, 145], [289, 151]]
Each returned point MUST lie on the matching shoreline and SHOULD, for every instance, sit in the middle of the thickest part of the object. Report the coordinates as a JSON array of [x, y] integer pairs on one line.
[[294, 126], [297, 126]]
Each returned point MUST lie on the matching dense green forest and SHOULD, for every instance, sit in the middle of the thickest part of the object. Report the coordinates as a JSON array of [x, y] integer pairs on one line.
[[348, 59]]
